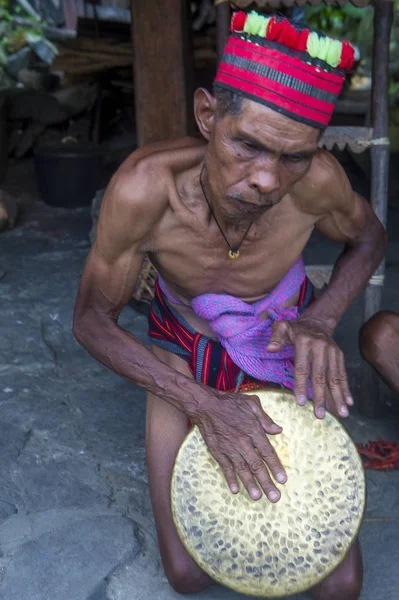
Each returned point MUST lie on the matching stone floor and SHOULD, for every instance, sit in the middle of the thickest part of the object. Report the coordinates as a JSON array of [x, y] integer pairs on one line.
[[75, 518]]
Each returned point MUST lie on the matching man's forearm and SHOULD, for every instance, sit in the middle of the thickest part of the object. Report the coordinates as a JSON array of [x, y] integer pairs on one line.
[[120, 351], [351, 273]]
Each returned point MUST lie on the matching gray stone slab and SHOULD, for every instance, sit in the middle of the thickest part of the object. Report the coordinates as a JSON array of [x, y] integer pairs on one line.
[[11, 496], [66, 484], [381, 558], [70, 562], [12, 440], [6, 509]]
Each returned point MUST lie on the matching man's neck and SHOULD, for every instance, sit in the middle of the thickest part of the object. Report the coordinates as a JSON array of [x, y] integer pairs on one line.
[[231, 224]]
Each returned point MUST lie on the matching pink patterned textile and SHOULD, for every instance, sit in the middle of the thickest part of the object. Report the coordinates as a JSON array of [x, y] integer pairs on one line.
[[245, 335]]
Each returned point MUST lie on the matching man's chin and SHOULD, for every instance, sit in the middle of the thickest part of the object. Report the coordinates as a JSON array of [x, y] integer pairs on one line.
[[254, 212], [245, 216], [249, 209]]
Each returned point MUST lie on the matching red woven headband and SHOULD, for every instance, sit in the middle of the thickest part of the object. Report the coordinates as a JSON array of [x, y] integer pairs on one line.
[[296, 72]]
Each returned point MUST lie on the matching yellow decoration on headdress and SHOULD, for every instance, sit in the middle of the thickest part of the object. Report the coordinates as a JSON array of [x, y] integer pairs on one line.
[[334, 53], [312, 45], [324, 48], [256, 24]]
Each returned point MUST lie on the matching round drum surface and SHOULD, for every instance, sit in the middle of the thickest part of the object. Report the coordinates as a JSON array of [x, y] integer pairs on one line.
[[264, 549]]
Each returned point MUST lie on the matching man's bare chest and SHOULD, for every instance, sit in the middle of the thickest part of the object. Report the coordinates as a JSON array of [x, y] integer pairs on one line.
[[194, 259]]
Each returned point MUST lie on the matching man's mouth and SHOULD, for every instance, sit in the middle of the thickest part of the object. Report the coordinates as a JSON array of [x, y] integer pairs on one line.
[[250, 207]]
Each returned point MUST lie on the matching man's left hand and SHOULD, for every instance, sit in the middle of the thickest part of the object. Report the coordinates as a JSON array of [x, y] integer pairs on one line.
[[317, 354]]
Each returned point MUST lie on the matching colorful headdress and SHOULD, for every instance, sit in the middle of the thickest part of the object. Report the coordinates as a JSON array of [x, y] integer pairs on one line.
[[297, 72]]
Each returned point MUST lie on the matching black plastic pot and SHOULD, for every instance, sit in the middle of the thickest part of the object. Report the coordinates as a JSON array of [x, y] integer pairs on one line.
[[68, 174]]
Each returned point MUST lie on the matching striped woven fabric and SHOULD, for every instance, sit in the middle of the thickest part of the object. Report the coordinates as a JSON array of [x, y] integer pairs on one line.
[[289, 70], [208, 361]]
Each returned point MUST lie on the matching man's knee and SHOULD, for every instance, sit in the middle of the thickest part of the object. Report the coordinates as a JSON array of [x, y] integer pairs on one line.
[[377, 335], [178, 574], [184, 575], [347, 587], [345, 583]]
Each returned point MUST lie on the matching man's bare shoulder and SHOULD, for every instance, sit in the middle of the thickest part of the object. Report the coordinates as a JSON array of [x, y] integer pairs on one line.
[[144, 178], [146, 175], [167, 155], [139, 193], [325, 187], [164, 150]]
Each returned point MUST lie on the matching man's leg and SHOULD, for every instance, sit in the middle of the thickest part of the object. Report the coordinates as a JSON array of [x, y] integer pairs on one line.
[[166, 428], [345, 583], [379, 345]]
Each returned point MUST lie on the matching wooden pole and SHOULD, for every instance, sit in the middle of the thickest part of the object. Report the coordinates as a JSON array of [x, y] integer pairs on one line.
[[369, 403], [3, 138], [222, 27], [162, 69]]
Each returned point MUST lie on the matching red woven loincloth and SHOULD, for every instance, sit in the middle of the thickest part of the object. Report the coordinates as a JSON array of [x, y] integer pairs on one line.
[[208, 361]]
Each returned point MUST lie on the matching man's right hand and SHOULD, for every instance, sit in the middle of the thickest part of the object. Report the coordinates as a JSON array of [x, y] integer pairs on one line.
[[233, 426]]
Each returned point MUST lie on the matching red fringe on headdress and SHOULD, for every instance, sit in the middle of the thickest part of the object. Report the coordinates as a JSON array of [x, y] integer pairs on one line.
[[238, 21], [284, 33], [347, 56]]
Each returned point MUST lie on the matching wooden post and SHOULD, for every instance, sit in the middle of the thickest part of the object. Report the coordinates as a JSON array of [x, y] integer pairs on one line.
[[222, 27], [369, 403], [162, 69], [3, 137]]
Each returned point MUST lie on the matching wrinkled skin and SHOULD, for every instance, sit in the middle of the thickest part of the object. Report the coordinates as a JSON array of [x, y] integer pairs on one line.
[[317, 351], [244, 456]]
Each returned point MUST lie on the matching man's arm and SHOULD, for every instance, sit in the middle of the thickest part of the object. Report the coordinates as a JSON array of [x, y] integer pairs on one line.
[[232, 425], [355, 224], [110, 274], [343, 216]]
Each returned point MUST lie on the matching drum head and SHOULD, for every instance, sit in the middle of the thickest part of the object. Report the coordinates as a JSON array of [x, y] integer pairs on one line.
[[264, 549]]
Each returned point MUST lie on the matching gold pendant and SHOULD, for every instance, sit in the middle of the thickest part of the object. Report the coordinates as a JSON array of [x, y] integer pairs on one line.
[[233, 254]]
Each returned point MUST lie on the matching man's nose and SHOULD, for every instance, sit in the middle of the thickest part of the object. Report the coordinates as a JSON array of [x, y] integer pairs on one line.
[[265, 179]]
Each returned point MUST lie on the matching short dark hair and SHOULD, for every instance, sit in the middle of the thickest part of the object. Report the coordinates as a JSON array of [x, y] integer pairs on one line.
[[227, 101]]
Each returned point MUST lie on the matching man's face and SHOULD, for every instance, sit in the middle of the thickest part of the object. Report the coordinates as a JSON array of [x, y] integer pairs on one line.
[[255, 158]]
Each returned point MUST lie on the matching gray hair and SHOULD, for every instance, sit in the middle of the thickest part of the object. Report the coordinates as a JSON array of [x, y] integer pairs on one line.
[[227, 101]]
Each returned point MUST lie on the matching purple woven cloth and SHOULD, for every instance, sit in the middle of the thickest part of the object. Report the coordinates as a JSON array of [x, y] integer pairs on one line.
[[245, 335]]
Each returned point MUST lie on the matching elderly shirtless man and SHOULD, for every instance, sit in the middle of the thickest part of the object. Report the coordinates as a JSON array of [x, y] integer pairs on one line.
[[225, 221]]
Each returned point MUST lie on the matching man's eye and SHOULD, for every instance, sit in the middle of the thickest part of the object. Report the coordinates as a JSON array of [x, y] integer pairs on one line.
[[250, 145], [295, 158]]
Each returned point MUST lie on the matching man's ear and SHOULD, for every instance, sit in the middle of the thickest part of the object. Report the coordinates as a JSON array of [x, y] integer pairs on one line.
[[204, 111]]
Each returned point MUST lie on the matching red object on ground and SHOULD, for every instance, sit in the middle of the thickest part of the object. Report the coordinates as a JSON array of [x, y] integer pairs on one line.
[[379, 455]]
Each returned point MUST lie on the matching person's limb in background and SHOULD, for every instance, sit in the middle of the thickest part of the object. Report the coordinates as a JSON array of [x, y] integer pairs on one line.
[[379, 345]]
